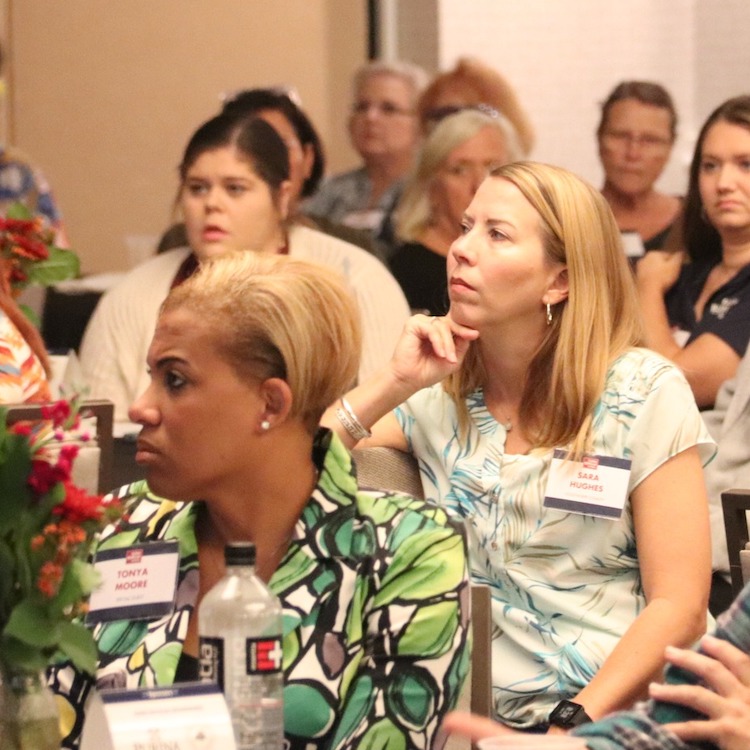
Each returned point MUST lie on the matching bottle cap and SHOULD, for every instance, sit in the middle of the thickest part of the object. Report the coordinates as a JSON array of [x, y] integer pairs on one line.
[[239, 553]]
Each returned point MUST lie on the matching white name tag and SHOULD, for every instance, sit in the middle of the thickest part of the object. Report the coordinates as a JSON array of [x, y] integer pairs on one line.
[[137, 583], [632, 244], [595, 486], [189, 715]]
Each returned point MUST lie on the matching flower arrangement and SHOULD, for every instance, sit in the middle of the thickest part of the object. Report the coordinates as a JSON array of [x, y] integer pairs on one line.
[[28, 254], [47, 529]]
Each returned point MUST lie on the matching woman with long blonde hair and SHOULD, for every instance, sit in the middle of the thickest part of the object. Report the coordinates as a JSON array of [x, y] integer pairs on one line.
[[573, 455]]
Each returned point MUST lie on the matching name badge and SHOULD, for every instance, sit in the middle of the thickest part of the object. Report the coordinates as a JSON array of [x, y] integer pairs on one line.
[[137, 583], [594, 486], [188, 716]]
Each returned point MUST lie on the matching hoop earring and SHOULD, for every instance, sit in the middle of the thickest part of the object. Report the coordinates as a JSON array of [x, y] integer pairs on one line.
[[549, 315]]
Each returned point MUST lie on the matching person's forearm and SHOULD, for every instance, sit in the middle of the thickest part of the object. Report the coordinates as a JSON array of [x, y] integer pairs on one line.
[[638, 657], [658, 331], [369, 401]]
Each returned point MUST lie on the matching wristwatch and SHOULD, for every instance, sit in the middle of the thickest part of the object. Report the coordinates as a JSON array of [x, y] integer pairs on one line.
[[567, 715]]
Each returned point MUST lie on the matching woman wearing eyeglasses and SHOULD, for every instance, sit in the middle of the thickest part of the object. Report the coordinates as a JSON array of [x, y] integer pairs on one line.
[[698, 314], [635, 135], [384, 130]]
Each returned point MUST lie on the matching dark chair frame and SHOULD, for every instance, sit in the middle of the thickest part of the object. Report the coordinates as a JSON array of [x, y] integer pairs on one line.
[[734, 504]]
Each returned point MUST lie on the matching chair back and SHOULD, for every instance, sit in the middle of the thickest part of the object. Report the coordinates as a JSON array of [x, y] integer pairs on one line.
[[388, 469], [393, 470], [92, 469]]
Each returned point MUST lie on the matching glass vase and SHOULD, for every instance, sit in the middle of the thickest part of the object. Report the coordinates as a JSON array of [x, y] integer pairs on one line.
[[29, 719]]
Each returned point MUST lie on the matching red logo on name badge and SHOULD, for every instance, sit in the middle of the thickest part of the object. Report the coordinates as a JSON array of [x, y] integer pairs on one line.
[[133, 556], [590, 462]]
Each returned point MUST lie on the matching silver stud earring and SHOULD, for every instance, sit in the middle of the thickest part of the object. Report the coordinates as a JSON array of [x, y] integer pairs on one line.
[[265, 425], [549, 315]]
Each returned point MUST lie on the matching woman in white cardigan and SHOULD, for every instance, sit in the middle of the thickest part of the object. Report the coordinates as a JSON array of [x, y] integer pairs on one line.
[[234, 195]]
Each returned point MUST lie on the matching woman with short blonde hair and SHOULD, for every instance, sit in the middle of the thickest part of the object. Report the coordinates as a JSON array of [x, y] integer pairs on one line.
[[261, 306], [246, 355], [572, 454]]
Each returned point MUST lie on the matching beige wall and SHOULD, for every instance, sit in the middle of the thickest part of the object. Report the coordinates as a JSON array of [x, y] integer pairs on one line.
[[104, 95]]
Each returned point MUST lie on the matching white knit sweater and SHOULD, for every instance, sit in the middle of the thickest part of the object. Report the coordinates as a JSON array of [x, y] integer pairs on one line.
[[115, 345]]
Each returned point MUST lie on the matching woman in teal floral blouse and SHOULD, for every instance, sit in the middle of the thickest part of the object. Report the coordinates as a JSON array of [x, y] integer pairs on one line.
[[246, 356], [573, 454]]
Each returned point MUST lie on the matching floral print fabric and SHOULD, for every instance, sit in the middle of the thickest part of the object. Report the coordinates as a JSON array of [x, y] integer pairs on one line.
[[22, 377], [565, 587], [375, 594]]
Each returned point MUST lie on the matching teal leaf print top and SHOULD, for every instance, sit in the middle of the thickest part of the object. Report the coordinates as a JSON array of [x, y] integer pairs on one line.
[[565, 587], [375, 594]]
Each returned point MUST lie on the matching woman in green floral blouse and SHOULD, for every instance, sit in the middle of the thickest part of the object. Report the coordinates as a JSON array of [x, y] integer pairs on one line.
[[246, 356]]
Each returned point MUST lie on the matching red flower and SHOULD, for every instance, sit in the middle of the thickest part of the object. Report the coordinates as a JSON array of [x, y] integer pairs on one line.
[[78, 506], [44, 475], [65, 460], [58, 412], [28, 247], [20, 428], [20, 225], [18, 275], [50, 576]]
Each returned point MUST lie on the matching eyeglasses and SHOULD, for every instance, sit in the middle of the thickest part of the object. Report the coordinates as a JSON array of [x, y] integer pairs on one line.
[[624, 138], [436, 114], [387, 109]]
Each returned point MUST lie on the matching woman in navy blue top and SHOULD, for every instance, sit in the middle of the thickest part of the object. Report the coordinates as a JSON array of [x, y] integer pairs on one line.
[[697, 303]]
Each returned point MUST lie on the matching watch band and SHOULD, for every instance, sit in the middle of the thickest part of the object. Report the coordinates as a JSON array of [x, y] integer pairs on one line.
[[567, 714]]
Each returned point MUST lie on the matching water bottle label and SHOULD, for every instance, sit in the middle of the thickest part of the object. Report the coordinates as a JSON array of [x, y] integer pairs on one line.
[[263, 655], [211, 662]]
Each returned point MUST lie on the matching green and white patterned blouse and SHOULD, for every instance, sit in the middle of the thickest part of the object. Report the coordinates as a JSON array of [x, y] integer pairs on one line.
[[375, 594], [565, 587]]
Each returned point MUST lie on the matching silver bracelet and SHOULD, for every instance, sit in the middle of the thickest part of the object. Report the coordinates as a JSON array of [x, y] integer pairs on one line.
[[350, 422]]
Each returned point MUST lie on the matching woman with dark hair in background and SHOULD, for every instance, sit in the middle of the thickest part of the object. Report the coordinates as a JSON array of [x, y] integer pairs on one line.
[[698, 313], [281, 109], [235, 195], [635, 136]]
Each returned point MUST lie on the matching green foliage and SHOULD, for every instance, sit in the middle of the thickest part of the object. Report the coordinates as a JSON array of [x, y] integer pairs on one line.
[[47, 528]]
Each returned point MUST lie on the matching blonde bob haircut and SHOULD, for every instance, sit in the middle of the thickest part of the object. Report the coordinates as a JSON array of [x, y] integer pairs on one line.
[[413, 214], [278, 317], [599, 320]]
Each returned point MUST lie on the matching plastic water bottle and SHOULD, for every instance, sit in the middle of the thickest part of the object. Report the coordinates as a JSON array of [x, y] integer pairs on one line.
[[239, 625]]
